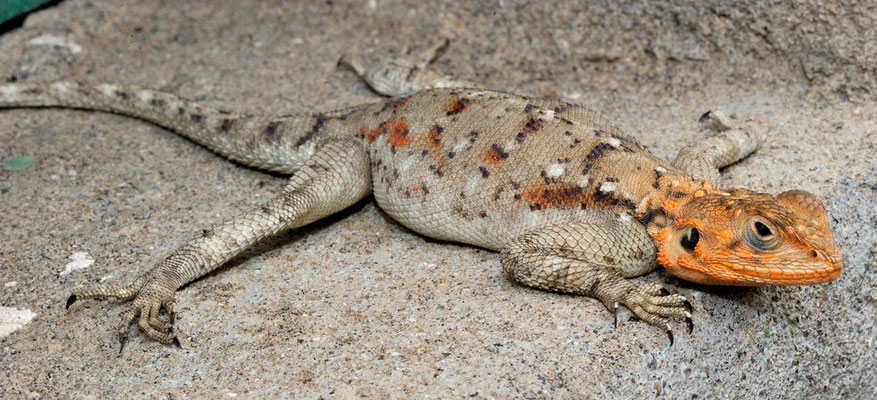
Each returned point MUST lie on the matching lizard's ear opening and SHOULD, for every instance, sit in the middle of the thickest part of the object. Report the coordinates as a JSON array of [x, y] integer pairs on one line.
[[689, 239]]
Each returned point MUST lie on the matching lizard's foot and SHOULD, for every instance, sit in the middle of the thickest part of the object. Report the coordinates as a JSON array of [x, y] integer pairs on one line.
[[149, 298], [404, 74], [735, 138], [649, 302]]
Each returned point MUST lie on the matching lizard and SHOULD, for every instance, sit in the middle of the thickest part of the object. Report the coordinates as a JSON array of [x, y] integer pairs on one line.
[[570, 202]]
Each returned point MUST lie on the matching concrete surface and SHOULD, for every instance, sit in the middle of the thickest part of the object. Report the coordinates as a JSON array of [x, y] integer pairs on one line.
[[358, 306]]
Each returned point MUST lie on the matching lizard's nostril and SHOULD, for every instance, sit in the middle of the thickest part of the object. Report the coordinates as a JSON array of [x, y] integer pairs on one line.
[[814, 253]]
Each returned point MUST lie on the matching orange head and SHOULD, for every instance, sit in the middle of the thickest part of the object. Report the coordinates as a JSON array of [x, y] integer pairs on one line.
[[743, 238]]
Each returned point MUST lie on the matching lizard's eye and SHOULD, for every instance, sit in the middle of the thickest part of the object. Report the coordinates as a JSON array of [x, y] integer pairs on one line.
[[760, 234], [689, 239]]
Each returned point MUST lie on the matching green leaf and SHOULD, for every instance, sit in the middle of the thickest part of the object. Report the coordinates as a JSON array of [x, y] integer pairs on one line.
[[14, 8], [17, 163]]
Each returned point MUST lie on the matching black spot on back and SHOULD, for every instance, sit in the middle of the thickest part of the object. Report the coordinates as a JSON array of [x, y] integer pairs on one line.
[[598, 151], [315, 128], [226, 125], [271, 129]]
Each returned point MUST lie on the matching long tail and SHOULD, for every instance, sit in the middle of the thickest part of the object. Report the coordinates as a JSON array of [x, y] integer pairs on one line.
[[278, 144]]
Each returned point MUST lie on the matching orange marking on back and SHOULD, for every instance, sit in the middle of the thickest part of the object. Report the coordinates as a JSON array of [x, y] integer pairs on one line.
[[397, 129], [398, 133], [394, 104], [494, 155], [434, 139], [459, 105], [554, 195], [669, 205], [532, 126]]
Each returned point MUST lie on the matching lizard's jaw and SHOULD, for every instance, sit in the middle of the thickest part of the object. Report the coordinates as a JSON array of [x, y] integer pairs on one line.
[[732, 272]]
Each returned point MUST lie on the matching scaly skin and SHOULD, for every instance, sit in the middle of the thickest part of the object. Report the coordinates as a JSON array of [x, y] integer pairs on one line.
[[571, 202]]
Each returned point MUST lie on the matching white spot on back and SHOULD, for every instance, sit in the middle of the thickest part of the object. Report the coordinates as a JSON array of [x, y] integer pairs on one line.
[[403, 167], [613, 142], [9, 91], [107, 89], [555, 170], [472, 183], [144, 95], [607, 187], [61, 87], [549, 114], [460, 145]]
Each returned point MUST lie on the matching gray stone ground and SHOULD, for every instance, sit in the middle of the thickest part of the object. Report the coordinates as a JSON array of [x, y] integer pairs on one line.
[[358, 306]]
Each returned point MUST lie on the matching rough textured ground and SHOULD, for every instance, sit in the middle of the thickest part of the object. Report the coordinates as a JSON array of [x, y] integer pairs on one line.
[[357, 306]]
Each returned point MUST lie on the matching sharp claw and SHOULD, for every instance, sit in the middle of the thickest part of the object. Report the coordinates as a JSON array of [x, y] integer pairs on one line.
[[704, 117], [173, 318], [690, 324], [615, 313], [70, 300], [670, 336], [122, 340], [688, 306], [177, 342]]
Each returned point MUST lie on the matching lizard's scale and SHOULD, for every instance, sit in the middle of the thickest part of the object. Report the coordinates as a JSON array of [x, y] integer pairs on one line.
[[572, 203]]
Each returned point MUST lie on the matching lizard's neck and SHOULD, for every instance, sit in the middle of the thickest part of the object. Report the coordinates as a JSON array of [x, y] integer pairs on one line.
[[656, 209]]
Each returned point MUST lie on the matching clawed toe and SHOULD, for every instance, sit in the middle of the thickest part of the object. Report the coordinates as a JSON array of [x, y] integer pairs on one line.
[[70, 300], [658, 305], [148, 302]]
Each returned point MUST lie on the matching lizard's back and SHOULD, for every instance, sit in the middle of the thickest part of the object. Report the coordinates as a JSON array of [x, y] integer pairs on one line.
[[480, 167], [467, 165]]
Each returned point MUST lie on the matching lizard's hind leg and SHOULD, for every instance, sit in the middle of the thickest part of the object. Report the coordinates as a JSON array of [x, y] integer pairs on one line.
[[593, 259], [735, 140], [336, 177], [404, 74]]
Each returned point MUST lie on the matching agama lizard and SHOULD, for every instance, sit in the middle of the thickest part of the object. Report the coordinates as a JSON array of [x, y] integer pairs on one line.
[[571, 203]]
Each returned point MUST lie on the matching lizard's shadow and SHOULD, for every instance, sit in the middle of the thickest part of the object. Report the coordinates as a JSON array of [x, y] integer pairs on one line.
[[286, 237], [744, 295], [311, 229]]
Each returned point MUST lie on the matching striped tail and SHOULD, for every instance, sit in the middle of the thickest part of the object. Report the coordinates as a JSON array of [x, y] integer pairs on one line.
[[278, 144]]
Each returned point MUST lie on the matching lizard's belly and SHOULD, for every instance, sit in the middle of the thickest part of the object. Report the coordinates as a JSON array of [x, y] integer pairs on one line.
[[490, 217]]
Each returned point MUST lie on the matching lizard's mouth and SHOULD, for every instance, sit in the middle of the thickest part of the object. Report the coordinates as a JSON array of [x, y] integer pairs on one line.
[[741, 275]]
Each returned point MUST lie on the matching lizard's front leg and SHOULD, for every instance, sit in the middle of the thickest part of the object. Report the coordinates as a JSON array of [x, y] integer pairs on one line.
[[593, 259], [404, 74], [336, 177], [735, 140]]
